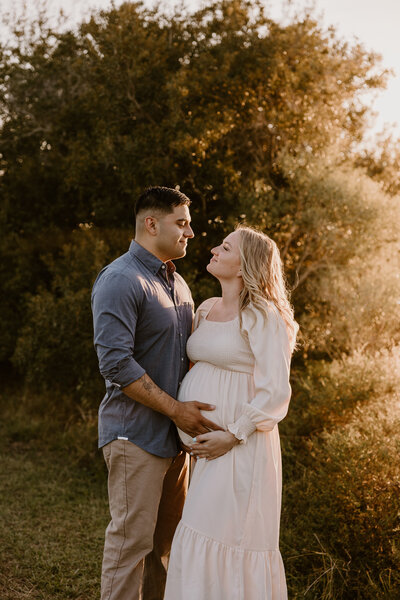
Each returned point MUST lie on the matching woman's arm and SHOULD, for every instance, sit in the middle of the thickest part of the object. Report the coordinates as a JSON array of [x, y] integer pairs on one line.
[[269, 342]]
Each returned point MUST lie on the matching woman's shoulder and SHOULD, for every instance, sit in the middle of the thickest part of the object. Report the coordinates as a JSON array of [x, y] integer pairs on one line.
[[265, 312], [203, 310], [205, 306]]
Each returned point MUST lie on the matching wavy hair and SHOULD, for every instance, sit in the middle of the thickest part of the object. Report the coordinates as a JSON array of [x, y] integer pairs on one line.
[[263, 278]]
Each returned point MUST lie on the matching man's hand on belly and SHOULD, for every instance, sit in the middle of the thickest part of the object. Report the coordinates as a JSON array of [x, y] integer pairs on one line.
[[188, 418], [186, 415]]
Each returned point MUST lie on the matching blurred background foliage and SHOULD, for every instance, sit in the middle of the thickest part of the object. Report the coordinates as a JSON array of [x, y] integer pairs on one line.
[[256, 122]]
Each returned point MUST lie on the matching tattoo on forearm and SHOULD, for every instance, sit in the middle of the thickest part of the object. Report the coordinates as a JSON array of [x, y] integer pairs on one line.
[[148, 385]]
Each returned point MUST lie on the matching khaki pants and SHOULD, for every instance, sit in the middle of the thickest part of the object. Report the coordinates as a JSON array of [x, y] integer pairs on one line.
[[146, 495]]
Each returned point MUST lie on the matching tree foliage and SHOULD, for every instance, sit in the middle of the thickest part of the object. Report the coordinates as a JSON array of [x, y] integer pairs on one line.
[[226, 103], [382, 163], [54, 348], [206, 103]]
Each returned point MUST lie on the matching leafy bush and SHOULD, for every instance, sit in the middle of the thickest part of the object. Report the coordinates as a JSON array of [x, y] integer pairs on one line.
[[341, 505], [55, 349], [325, 393], [22, 270]]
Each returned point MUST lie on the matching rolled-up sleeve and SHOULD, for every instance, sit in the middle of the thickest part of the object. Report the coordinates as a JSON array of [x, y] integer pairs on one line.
[[269, 343], [115, 304]]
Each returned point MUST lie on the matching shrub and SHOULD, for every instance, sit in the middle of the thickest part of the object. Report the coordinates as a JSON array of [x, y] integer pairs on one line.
[[341, 503], [326, 393], [55, 349]]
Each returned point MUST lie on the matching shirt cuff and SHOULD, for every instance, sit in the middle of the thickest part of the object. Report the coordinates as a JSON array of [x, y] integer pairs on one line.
[[242, 428], [127, 371]]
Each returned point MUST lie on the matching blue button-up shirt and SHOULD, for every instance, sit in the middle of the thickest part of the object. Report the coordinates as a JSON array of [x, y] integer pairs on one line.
[[142, 316]]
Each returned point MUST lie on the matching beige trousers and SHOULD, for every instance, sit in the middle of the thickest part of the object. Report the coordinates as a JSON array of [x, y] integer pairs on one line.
[[146, 495]]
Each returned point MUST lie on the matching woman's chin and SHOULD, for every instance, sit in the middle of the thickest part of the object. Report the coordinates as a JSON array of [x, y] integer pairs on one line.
[[209, 268]]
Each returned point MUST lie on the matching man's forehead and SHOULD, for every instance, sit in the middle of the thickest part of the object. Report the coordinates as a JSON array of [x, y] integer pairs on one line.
[[180, 212]]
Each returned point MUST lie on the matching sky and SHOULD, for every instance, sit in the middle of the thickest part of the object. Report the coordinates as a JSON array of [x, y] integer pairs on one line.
[[374, 23]]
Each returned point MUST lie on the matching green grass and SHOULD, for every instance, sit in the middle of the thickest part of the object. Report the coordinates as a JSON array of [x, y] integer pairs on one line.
[[53, 513]]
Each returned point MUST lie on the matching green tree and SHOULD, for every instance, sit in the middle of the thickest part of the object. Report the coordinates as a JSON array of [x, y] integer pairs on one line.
[[212, 102], [207, 102]]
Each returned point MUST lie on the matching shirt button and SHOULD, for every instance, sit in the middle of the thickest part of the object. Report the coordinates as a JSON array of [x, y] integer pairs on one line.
[[182, 358], [163, 267]]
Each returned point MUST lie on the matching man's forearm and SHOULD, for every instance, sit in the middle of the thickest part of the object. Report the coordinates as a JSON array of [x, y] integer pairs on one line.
[[186, 415], [145, 391]]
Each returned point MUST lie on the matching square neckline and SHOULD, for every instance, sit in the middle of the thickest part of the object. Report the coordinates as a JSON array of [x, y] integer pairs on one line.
[[219, 322]]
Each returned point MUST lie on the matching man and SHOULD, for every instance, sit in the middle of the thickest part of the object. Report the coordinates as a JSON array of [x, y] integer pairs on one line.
[[142, 312]]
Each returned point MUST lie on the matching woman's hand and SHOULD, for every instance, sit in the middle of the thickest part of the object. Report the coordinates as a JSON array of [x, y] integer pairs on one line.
[[213, 444]]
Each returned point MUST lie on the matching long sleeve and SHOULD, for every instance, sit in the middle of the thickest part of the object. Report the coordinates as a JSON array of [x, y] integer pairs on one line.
[[115, 311], [269, 343]]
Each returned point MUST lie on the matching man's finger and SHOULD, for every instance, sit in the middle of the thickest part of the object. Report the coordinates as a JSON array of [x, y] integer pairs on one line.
[[211, 426], [204, 406], [203, 428], [195, 432]]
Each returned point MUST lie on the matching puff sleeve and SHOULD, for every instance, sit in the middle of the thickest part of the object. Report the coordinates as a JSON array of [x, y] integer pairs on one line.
[[202, 311], [268, 340]]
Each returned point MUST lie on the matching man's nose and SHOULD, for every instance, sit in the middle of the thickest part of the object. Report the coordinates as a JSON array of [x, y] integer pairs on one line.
[[189, 232]]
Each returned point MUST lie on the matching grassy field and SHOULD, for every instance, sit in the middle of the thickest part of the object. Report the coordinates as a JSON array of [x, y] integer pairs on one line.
[[53, 512], [51, 527]]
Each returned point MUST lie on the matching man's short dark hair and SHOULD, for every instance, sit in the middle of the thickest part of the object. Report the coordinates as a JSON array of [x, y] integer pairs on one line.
[[162, 199]]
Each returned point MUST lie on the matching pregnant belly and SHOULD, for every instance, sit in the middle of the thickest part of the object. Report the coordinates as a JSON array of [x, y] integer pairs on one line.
[[227, 390]]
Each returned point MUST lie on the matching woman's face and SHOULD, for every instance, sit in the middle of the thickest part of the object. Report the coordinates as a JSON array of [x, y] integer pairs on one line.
[[225, 261]]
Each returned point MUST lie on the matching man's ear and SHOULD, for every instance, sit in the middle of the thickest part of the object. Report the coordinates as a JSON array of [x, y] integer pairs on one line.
[[151, 225]]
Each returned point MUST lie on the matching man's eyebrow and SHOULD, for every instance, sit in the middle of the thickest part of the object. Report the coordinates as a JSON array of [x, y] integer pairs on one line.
[[183, 220]]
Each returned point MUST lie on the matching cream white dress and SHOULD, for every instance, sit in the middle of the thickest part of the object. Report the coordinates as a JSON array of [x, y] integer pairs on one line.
[[226, 546]]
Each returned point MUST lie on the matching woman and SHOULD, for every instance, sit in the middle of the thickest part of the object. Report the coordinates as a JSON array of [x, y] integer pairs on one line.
[[226, 545]]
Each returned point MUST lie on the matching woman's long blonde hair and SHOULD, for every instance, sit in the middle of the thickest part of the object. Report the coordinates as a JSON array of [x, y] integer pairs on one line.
[[263, 278]]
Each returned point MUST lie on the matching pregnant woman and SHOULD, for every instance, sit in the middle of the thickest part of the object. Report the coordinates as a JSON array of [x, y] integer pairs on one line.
[[226, 546]]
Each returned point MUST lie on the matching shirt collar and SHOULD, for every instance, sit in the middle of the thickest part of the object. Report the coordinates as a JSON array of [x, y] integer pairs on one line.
[[150, 261]]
